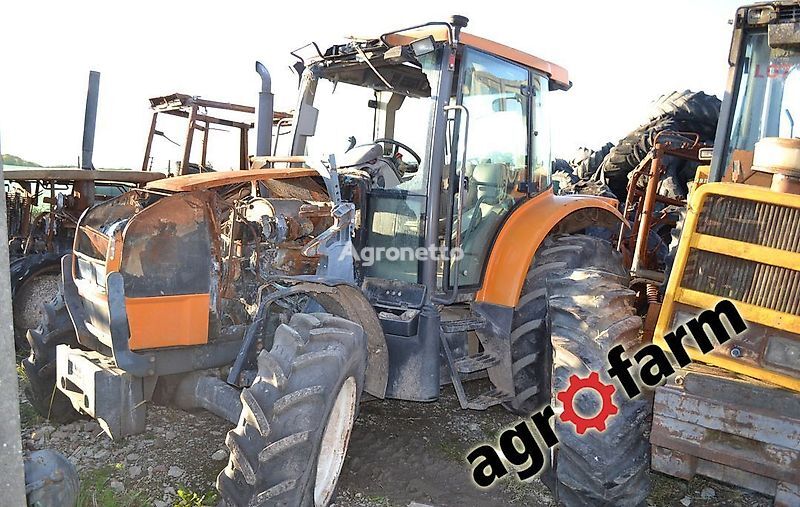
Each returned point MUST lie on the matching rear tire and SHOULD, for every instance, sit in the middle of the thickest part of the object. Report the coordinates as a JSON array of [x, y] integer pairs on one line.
[[591, 311], [530, 337], [40, 365], [306, 393]]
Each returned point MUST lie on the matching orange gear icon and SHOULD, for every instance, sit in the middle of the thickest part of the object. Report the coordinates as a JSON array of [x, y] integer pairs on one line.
[[607, 409]]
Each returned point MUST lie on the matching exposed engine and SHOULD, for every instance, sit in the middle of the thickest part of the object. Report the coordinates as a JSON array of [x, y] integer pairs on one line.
[[32, 230]]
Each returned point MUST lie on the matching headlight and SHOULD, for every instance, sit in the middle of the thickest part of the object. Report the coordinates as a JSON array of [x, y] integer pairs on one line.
[[760, 15]]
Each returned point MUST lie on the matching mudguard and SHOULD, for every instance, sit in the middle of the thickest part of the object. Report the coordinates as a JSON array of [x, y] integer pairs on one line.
[[525, 229]]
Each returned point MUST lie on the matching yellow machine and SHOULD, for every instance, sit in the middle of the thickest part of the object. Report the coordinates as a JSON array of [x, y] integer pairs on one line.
[[741, 238], [739, 420]]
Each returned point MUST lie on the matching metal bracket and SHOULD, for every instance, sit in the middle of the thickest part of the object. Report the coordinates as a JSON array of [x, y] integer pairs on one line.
[[336, 242]]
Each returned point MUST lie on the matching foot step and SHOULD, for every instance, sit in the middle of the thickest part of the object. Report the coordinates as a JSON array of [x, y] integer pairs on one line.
[[488, 399], [477, 362], [461, 325]]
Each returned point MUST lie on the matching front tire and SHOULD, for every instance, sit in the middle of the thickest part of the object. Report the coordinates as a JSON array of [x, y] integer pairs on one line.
[[292, 436], [591, 311], [40, 365], [34, 282]]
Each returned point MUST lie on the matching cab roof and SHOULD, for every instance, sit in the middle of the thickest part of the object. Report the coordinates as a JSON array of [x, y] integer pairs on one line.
[[556, 73]]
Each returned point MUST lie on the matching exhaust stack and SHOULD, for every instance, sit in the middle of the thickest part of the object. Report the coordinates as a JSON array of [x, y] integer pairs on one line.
[[90, 120], [264, 113]]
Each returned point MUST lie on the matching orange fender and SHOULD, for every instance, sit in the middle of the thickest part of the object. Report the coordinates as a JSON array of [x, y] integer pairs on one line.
[[526, 228]]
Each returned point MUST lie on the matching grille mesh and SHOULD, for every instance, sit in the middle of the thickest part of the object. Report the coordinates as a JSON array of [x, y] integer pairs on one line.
[[789, 13], [772, 287], [753, 222]]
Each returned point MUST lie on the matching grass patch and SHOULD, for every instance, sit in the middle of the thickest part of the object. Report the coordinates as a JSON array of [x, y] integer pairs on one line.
[[452, 452], [378, 500], [95, 490], [188, 498], [28, 416]]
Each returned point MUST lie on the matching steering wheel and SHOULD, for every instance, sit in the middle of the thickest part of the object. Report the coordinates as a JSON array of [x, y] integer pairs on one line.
[[398, 144]]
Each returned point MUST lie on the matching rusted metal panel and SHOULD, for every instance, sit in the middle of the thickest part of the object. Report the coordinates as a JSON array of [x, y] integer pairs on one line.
[[686, 466], [748, 422], [203, 181], [726, 448], [671, 462], [182, 100], [787, 495], [736, 430], [727, 387]]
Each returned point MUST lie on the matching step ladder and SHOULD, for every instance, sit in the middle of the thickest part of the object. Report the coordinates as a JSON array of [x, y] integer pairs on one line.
[[462, 367]]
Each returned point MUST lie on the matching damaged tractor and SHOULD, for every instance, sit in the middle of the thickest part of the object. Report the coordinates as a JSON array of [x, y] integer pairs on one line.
[[243, 292]]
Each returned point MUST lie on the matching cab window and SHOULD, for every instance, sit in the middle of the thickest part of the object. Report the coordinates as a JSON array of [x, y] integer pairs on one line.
[[496, 93]]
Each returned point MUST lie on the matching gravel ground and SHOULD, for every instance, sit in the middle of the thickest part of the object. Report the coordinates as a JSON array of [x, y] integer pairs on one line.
[[400, 453]]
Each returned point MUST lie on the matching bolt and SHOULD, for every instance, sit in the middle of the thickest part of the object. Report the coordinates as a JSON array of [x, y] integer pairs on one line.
[[736, 352]]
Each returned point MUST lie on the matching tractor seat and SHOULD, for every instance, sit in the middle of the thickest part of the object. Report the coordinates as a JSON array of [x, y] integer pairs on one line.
[[487, 190]]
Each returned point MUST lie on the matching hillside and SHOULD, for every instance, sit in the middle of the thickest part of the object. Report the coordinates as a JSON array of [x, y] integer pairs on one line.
[[15, 160]]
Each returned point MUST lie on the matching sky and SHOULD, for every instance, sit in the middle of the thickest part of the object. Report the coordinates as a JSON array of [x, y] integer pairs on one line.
[[621, 55]]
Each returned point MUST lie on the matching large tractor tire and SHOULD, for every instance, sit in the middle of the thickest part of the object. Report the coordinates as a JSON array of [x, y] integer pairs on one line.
[[34, 282], [530, 338], [685, 111], [568, 183], [292, 436], [591, 311], [587, 161], [40, 365], [687, 105]]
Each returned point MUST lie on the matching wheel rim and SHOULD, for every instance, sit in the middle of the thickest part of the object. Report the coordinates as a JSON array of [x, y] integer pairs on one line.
[[334, 442], [29, 301]]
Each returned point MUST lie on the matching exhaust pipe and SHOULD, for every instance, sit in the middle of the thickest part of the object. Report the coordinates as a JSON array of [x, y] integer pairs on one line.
[[90, 120], [264, 113]]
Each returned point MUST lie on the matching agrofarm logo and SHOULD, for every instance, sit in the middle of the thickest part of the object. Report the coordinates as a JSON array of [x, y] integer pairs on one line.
[[519, 446]]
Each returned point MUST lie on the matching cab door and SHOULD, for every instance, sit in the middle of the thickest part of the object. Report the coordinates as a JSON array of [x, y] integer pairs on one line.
[[498, 98]]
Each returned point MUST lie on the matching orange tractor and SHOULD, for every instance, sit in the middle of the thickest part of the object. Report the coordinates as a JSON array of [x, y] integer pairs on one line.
[[273, 297]]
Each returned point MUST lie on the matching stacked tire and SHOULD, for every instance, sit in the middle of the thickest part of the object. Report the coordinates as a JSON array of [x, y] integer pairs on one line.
[[567, 178], [685, 111]]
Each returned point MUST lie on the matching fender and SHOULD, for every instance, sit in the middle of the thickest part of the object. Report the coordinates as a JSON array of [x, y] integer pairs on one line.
[[343, 299], [525, 229]]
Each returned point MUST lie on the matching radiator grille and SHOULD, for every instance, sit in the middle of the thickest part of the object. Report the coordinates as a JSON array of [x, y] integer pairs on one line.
[[754, 283], [789, 13], [753, 222]]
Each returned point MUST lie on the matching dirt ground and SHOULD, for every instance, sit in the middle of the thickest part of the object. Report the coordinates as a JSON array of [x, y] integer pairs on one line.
[[400, 453]]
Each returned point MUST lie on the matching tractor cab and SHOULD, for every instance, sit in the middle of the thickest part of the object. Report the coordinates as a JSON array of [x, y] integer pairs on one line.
[[764, 89], [420, 110]]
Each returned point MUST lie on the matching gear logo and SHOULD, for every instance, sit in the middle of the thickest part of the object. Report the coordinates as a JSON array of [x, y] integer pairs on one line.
[[607, 408]]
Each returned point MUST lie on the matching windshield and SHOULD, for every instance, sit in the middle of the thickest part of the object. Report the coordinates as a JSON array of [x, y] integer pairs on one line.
[[358, 108], [768, 103]]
